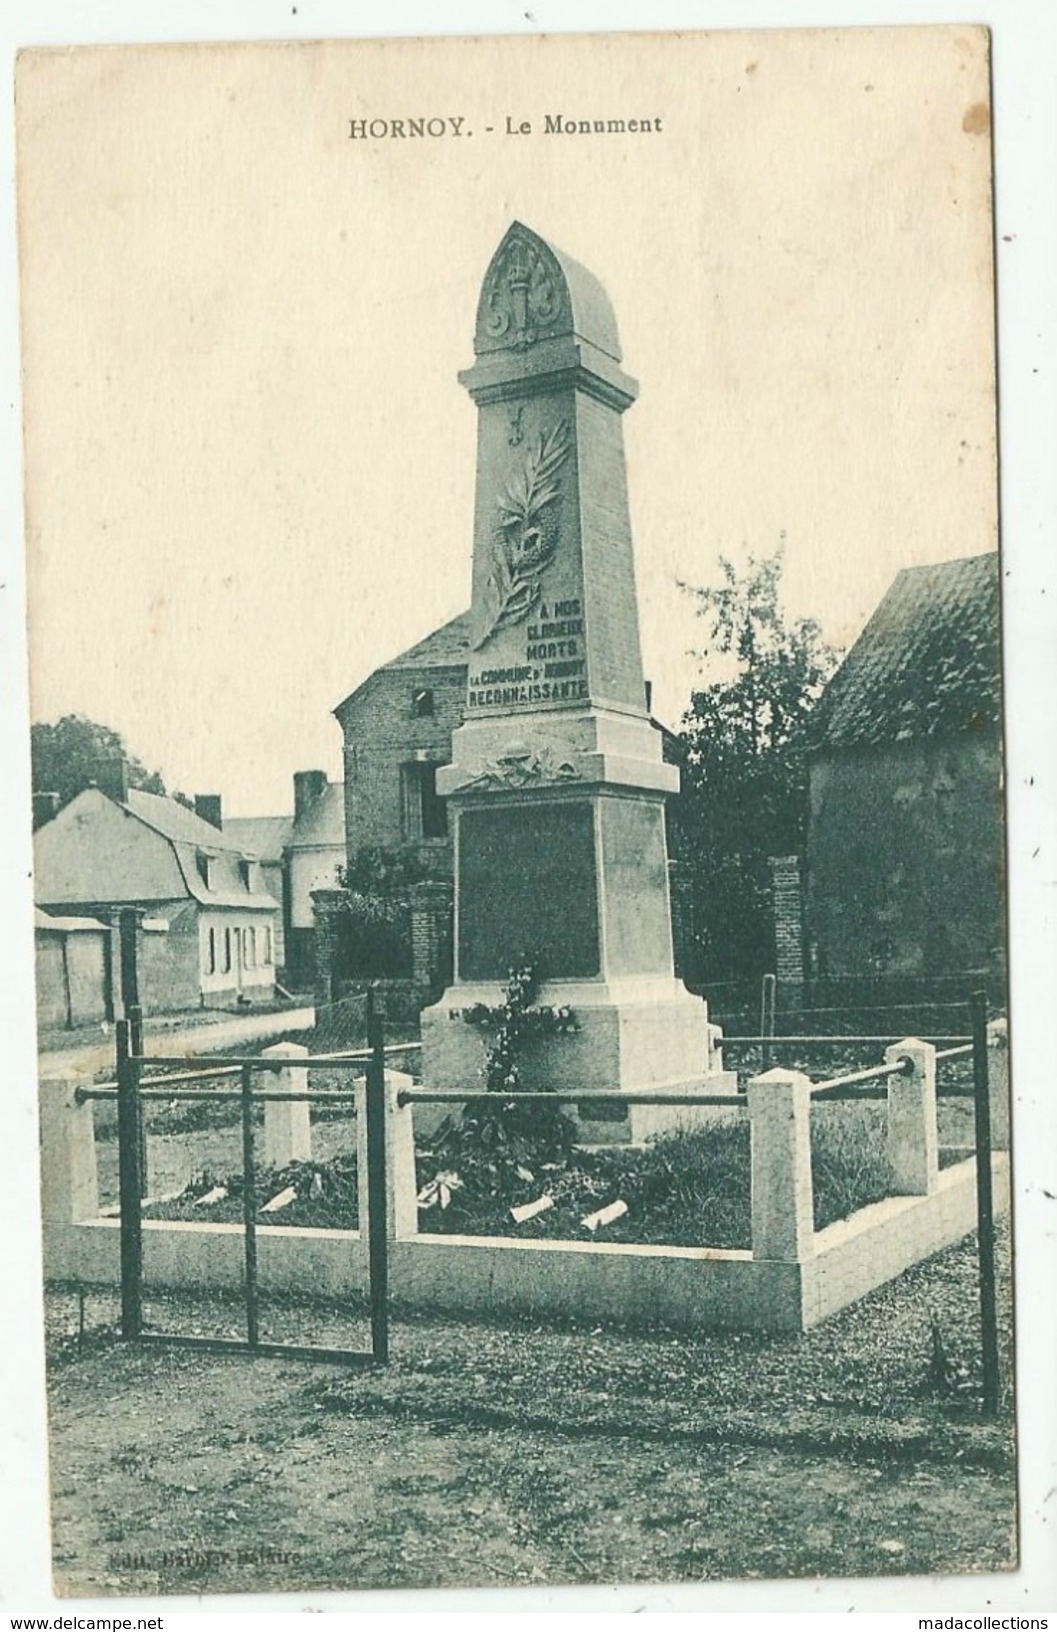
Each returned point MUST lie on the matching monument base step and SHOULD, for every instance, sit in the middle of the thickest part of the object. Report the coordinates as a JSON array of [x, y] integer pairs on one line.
[[646, 1032]]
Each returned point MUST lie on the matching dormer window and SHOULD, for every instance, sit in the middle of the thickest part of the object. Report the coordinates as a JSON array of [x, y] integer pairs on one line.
[[422, 703], [202, 862]]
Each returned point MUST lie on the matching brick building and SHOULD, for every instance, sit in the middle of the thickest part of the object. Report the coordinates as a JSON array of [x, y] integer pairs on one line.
[[904, 866], [397, 728]]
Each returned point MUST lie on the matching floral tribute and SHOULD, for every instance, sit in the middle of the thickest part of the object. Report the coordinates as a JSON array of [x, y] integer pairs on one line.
[[499, 1141], [517, 1017]]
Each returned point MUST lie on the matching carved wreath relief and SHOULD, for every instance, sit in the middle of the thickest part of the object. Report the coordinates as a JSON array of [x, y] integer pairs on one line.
[[525, 298], [525, 536], [523, 767]]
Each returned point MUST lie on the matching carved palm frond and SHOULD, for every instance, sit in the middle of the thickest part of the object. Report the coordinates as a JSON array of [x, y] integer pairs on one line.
[[535, 484], [517, 563]]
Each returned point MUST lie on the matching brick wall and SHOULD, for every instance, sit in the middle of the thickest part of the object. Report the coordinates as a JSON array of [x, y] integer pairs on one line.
[[431, 937], [788, 918], [383, 734]]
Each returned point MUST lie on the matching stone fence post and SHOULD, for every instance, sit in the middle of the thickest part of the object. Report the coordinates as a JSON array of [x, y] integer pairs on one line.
[[783, 1225], [69, 1185], [998, 1082], [401, 1187], [912, 1137], [287, 1123]]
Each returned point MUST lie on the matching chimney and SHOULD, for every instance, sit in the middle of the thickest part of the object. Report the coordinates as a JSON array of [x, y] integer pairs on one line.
[[45, 806], [208, 808], [308, 785], [111, 778]]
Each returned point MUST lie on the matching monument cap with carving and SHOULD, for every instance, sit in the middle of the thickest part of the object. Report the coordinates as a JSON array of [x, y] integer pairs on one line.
[[542, 312]]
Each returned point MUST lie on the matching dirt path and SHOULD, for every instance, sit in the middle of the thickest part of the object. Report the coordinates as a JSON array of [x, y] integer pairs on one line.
[[496, 1453], [164, 1036], [174, 1473]]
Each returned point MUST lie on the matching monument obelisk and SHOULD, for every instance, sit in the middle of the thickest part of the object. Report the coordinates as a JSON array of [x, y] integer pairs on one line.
[[557, 786]]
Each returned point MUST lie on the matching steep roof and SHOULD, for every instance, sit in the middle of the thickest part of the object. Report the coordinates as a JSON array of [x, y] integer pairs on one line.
[[262, 836], [265, 838], [926, 665], [447, 646], [175, 821], [189, 834], [86, 855]]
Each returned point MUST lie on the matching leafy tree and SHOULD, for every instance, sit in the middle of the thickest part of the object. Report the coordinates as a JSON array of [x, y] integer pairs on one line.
[[377, 871], [744, 775], [374, 925], [67, 757]]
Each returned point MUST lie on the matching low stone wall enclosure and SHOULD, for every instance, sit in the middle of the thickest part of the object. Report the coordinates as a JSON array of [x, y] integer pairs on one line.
[[793, 1277]]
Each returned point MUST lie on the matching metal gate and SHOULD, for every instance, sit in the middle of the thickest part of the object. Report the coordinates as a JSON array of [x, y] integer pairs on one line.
[[181, 1078]]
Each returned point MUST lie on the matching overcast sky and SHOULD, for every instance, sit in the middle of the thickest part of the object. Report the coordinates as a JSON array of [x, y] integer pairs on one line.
[[598, 219], [249, 461]]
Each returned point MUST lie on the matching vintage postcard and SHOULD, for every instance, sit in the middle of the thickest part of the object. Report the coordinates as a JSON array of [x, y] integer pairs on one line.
[[520, 922]]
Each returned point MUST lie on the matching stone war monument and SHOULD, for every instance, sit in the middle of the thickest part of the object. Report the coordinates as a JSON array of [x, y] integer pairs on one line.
[[557, 786]]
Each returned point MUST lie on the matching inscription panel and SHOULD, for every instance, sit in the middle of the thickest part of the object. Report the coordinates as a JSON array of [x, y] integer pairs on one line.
[[553, 670], [529, 649], [528, 889]]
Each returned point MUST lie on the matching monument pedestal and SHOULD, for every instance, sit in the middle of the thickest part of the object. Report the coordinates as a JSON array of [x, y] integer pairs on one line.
[[561, 863]]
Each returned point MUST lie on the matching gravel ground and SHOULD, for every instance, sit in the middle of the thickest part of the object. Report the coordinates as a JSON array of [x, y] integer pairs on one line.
[[574, 1454]]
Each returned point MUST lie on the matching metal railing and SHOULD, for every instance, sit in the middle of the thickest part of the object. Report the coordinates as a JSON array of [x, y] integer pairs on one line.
[[180, 1074], [868, 1083], [860, 1084], [613, 1098], [847, 1038]]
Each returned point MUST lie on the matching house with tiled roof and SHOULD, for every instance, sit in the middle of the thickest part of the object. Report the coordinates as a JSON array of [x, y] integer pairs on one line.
[[208, 933], [904, 865]]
